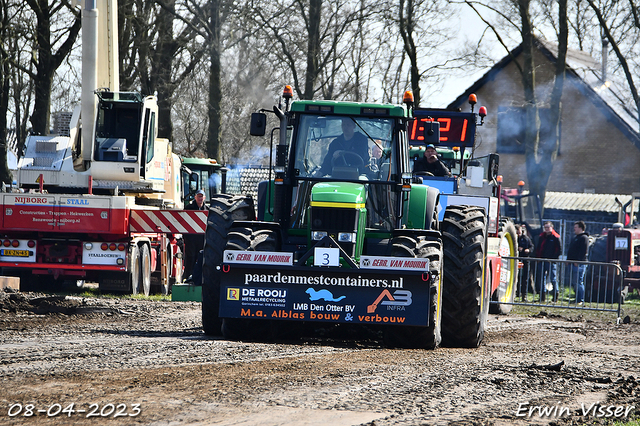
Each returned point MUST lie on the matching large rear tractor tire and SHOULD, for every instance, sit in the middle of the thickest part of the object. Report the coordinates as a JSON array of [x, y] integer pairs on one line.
[[224, 210], [506, 291], [465, 300], [428, 337]]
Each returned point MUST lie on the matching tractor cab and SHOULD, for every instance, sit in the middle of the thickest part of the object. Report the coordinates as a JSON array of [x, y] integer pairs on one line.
[[523, 208], [339, 172], [345, 165], [203, 174], [453, 136], [322, 149]]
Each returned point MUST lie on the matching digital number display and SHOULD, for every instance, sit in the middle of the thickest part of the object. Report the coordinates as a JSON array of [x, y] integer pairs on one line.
[[456, 128]]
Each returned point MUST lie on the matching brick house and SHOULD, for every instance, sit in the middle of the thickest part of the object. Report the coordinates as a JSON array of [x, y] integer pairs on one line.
[[599, 142]]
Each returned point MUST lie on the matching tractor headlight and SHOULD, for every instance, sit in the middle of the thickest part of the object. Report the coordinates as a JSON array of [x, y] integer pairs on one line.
[[318, 235], [346, 237]]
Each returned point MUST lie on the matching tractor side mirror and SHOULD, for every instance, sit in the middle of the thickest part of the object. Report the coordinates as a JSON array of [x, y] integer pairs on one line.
[[193, 182], [258, 124], [492, 170], [432, 132]]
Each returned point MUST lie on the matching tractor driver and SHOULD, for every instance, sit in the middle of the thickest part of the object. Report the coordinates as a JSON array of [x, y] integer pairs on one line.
[[430, 163], [346, 148]]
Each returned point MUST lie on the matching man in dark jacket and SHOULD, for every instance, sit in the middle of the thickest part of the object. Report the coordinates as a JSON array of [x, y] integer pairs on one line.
[[525, 249], [346, 148], [193, 242], [430, 163], [549, 247], [578, 250]]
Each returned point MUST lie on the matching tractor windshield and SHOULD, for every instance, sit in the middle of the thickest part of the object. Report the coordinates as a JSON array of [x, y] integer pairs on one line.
[[345, 148]]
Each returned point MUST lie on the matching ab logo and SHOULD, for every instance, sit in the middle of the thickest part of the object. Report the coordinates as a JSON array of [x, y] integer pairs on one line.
[[399, 298]]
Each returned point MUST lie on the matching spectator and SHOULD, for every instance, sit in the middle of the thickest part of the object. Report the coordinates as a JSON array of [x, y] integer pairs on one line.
[[430, 163], [372, 169], [193, 242], [376, 152], [578, 250], [525, 249], [549, 247]]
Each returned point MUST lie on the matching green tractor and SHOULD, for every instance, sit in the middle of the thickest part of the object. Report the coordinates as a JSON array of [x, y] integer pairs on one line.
[[203, 173], [342, 236]]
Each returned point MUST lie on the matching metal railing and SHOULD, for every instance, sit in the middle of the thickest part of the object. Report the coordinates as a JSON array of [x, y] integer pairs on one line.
[[569, 284]]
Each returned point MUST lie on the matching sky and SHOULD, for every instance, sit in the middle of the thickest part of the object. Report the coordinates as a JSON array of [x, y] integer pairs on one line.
[[472, 29]]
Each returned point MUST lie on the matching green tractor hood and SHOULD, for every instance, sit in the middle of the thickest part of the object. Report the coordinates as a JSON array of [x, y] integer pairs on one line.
[[339, 195], [337, 209]]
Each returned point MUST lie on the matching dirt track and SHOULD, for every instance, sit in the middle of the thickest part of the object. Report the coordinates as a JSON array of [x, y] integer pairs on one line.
[[104, 351]]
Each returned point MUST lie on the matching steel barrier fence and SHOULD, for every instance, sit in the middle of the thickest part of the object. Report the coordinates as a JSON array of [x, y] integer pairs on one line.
[[555, 283]]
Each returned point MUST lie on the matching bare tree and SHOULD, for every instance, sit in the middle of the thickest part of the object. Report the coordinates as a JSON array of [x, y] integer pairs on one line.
[[541, 151], [205, 21], [17, 69], [156, 52], [407, 28], [309, 43], [5, 81], [190, 114], [426, 29], [621, 28], [54, 39], [541, 147]]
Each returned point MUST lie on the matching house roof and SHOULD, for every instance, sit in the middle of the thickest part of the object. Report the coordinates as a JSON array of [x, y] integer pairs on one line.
[[584, 70], [584, 202]]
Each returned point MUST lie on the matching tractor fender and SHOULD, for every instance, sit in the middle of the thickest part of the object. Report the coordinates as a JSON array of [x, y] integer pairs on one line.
[[421, 207], [433, 198]]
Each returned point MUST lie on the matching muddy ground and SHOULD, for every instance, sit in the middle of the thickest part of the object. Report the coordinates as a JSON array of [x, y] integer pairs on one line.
[[73, 360]]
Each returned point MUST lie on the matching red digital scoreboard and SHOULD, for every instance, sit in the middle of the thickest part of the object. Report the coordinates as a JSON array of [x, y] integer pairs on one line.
[[456, 128]]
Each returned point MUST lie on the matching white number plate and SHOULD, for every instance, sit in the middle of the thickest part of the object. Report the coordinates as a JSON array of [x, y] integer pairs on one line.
[[323, 256], [622, 243]]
